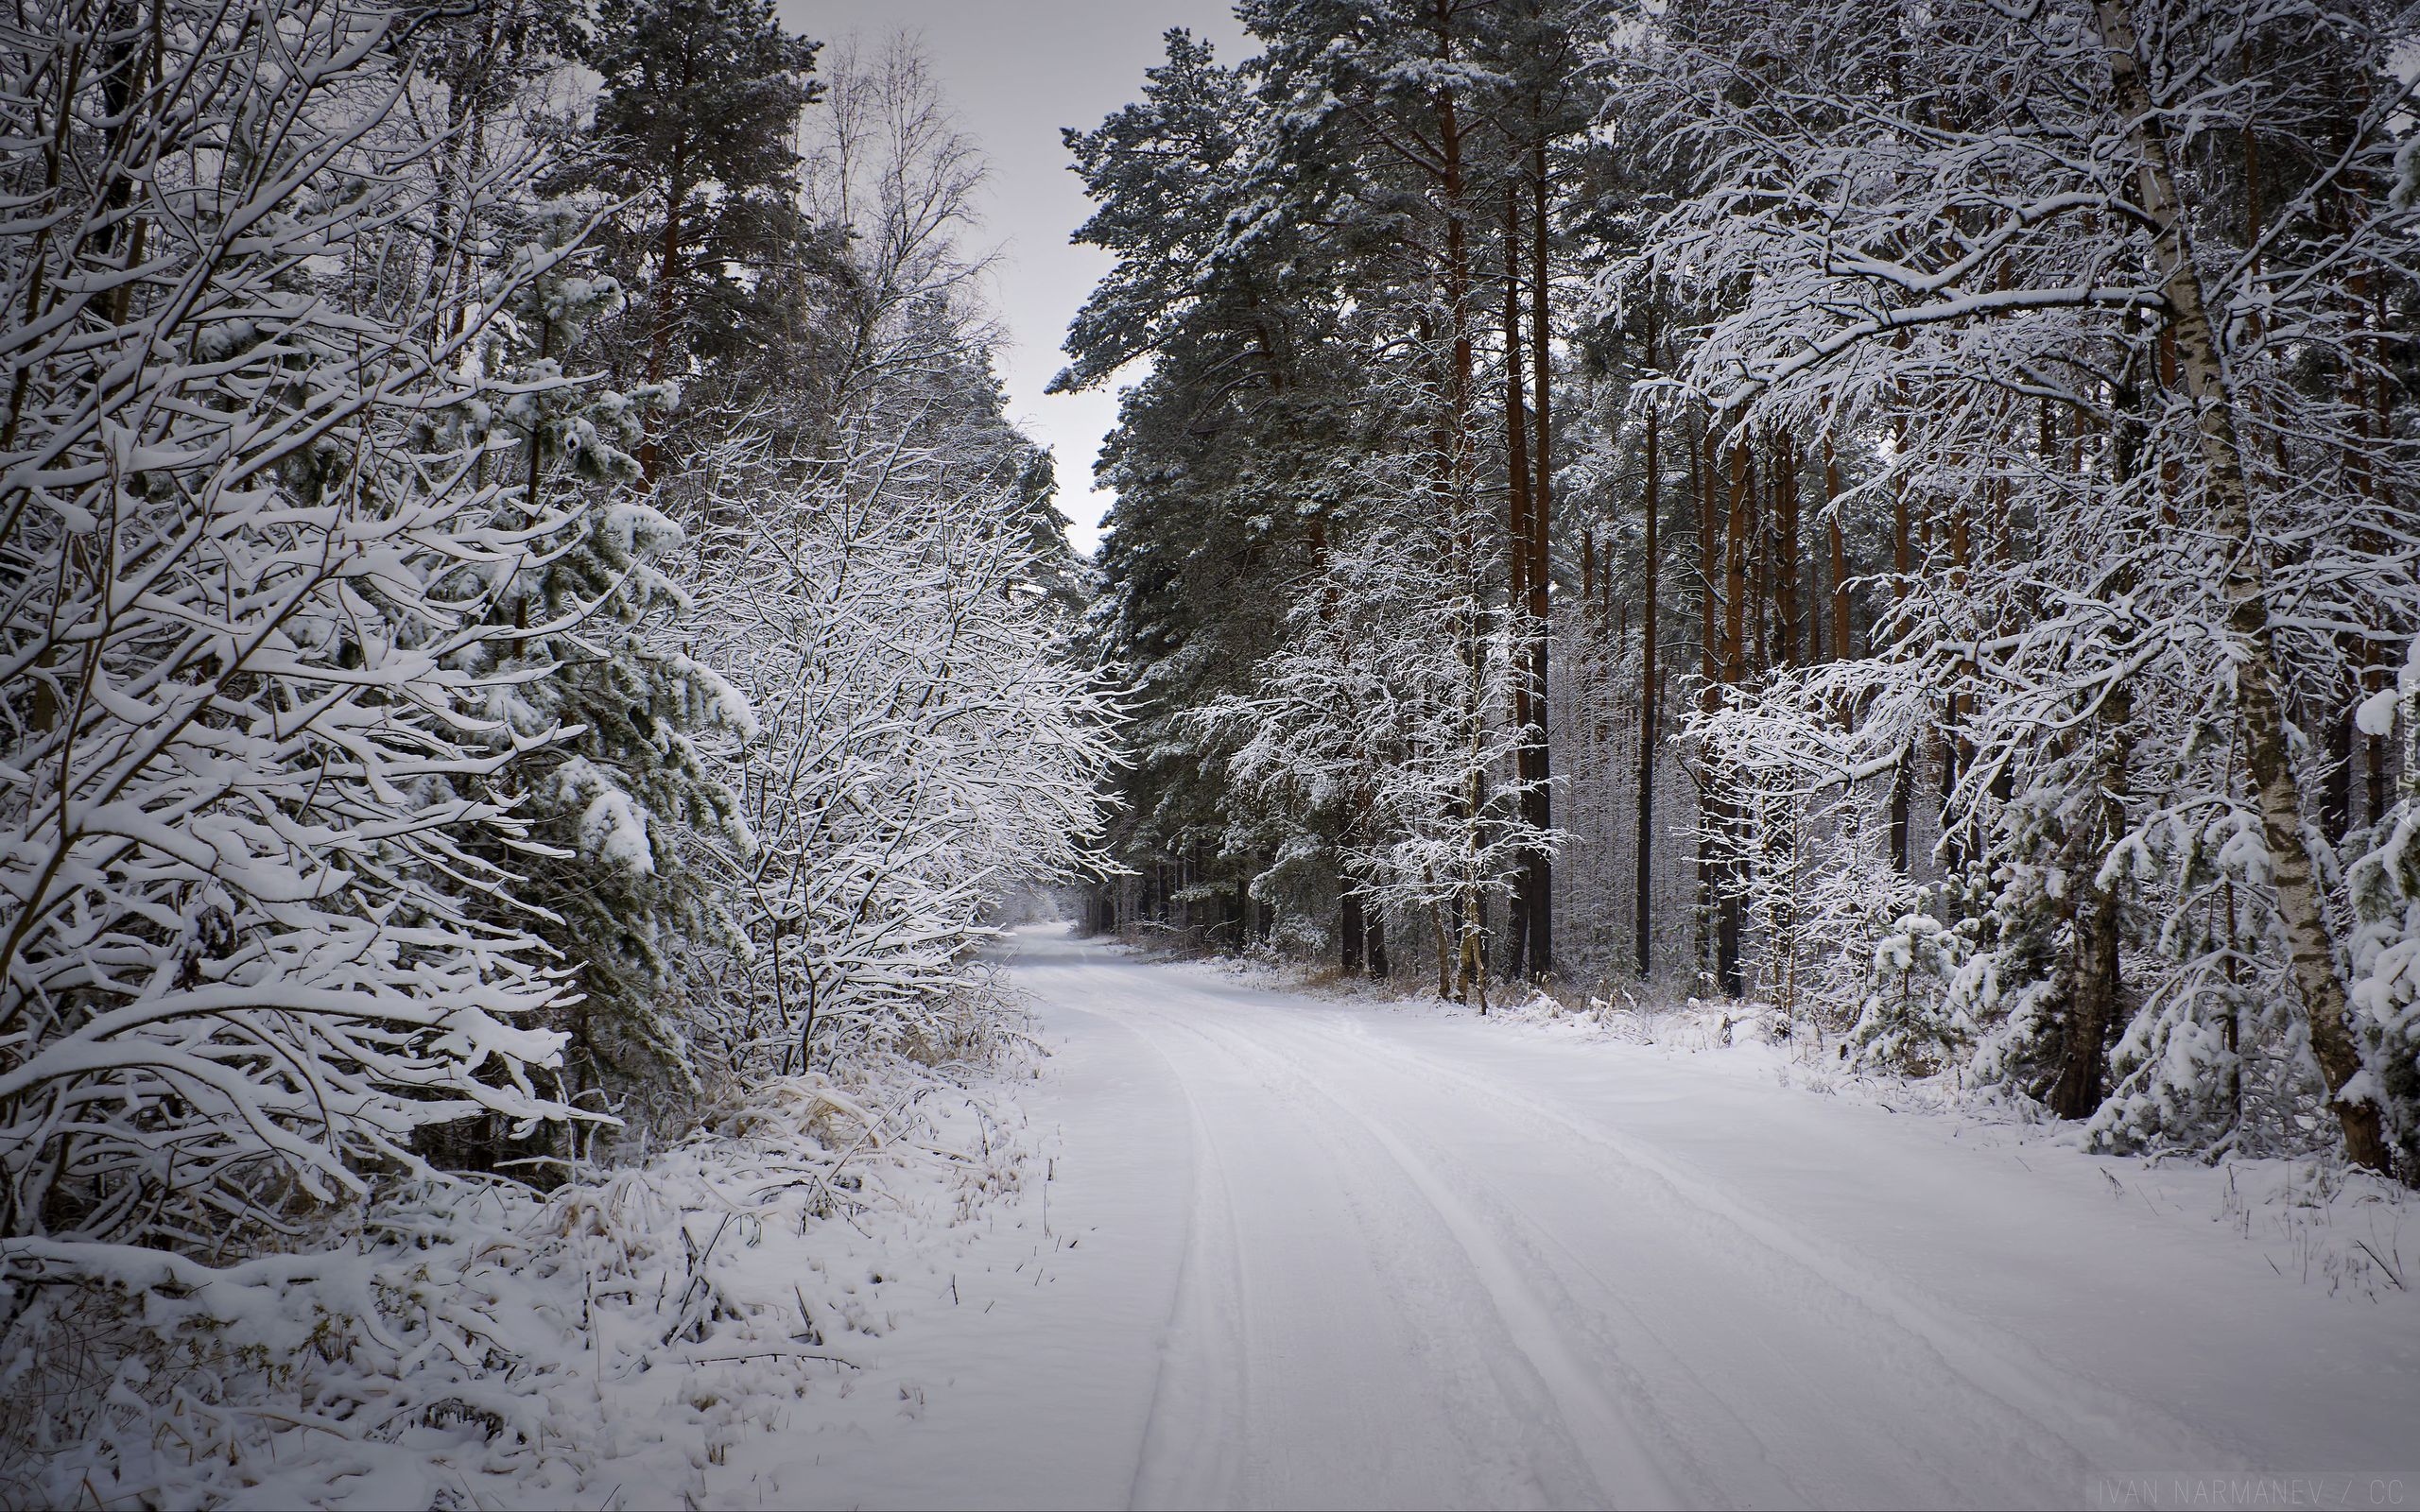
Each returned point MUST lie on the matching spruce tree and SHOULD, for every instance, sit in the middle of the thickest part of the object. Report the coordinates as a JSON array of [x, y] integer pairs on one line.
[[612, 782]]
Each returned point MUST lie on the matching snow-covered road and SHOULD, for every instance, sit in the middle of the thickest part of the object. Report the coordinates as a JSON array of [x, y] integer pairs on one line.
[[1311, 1253]]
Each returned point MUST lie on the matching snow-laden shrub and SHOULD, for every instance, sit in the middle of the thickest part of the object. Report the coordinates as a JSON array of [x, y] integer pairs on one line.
[[1835, 932], [470, 1341], [1912, 1019], [253, 944], [2385, 887], [2176, 1076], [922, 747], [1375, 721], [1299, 886]]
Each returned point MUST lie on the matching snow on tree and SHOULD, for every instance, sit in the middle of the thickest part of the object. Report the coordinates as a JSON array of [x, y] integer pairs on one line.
[[2035, 379], [2385, 887], [251, 947], [695, 138], [924, 747], [380, 787], [2060, 344], [883, 576], [634, 823], [1369, 723]]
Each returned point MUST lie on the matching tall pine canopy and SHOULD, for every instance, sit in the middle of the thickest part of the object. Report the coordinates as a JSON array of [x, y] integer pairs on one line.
[[1911, 504]]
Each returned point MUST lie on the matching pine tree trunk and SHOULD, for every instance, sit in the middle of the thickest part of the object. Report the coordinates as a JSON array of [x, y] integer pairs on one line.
[[2382, 391], [1760, 552], [1538, 803], [1903, 776], [1841, 649], [1518, 531], [1460, 483], [1703, 471], [1734, 569], [2300, 908], [2336, 792], [1735, 671], [1648, 711], [1788, 605], [1444, 940], [1950, 742], [660, 339], [1591, 659]]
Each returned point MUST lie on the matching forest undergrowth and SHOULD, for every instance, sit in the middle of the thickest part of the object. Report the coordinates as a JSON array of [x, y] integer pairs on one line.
[[481, 1343]]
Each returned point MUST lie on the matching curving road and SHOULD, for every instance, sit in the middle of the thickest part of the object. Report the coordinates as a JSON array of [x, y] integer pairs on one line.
[[1341, 1254]]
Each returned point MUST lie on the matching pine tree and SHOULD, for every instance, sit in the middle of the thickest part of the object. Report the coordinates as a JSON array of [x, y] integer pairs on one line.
[[1229, 461], [696, 122]]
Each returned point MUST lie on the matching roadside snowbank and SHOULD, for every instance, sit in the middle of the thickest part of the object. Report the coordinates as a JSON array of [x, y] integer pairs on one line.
[[478, 1344]]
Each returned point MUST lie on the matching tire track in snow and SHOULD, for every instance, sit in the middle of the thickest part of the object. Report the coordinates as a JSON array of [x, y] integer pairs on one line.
[[1658, 1381], [1202, 1397], [2042, 1408], [1594, 1423], [1696, 1350]]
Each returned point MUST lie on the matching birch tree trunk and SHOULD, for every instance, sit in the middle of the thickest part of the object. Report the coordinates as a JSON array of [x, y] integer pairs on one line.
[[2300, 908]]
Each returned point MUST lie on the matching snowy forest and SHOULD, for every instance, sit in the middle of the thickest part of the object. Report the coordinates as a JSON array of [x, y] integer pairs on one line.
[[1902, 516], [539, 672], [524, 619]]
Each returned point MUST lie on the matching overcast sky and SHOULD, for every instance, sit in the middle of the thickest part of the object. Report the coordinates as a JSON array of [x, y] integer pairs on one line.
[[1016, 71]]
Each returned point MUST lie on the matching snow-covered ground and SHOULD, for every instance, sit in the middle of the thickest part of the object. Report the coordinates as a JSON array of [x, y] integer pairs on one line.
[[1295, 1251], [1234, 1244]]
